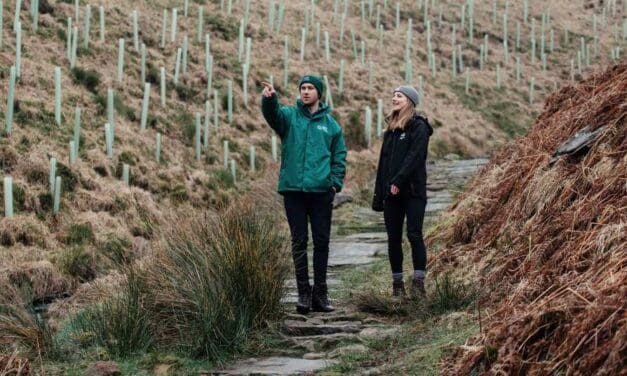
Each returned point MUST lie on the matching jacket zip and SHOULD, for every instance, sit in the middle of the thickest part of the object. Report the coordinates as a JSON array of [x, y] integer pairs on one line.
[[302, 184], [391, 159]]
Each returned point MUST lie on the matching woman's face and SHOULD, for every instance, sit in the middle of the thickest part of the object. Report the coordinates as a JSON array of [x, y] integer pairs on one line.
[[399, 100]]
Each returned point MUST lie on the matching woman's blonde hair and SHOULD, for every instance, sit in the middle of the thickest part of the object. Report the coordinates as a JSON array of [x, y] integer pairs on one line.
[[399, 119]]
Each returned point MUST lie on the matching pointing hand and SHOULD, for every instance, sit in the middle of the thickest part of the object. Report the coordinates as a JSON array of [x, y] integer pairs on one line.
[[268, 89]]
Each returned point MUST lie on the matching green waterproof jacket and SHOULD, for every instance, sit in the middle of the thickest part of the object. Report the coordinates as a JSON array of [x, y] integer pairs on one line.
[[313, 151]]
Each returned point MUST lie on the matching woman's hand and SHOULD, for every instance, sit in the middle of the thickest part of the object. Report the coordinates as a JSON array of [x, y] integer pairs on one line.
[[268, 89], [394, 190]]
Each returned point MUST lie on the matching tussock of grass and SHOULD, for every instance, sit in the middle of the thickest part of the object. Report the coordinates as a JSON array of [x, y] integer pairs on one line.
[[23, 329], [86, 77], [446, 293], [118, 250], [78, 262], [79, 234], [119, 324], [213, 281], [20, 328]]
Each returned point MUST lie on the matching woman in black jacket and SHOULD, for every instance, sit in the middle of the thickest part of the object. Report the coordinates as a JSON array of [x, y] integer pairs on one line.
[[401, 186]]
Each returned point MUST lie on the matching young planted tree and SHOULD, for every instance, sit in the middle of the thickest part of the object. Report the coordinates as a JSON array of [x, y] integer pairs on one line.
[[109, 140], [57, 195], [225, 154], [120, 59], [145, 103], [101, 12], [8, 115], [77, 130], [8, 197], [126, 174], [158, 148], [87, 26], [52, 173], [274, 149]]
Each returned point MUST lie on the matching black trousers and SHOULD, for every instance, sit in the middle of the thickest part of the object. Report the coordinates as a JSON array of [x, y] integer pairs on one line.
[[302, 208], [395, 210]]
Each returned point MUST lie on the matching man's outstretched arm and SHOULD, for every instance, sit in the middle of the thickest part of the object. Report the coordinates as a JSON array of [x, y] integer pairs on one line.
[[272, 110]]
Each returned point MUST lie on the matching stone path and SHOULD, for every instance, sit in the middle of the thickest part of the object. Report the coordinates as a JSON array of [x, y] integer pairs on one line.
[[313, 342]]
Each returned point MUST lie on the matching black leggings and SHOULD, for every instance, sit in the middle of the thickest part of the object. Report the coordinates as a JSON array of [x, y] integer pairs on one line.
[[396, 207]]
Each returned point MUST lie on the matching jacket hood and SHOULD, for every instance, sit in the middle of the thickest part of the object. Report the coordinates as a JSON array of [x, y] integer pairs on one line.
[[422, 119], [323, 109]]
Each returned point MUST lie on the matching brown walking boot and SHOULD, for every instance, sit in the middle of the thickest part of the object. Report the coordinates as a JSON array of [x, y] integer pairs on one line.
[[417, 288], [398, 289]]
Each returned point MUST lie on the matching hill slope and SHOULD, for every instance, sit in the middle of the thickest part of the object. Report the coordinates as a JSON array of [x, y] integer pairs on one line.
[[100, 218]]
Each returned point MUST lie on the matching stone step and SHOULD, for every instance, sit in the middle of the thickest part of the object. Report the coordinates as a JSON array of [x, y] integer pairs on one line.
[[436, 207], [331, 281], [275, 366], [368, 237], [353, 253], [300, 328], [323, 342]]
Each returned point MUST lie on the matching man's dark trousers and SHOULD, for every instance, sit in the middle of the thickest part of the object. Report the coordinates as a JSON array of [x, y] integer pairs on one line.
[[302, 208]]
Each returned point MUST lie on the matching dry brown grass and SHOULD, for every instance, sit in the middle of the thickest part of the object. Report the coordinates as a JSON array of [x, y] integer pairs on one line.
[[549, 242], [14, 365], [462, 129], [39, 280]]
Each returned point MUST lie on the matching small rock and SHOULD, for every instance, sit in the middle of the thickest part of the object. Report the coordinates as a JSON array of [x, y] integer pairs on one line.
[[315, 321], [327, 341], [372, 320], [139, 243], [348, 350], [162, 369], [296, 317], [314, 356], [307, 345], [452, 157], [372, 372], [334, 319], [378, 333], [341, 199], [103, 369]]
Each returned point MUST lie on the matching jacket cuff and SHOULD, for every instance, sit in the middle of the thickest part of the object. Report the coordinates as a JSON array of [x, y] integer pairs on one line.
[[273, 98], [398, 180]]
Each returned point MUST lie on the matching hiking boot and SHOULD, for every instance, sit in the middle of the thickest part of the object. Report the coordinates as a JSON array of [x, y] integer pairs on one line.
[[320, 300], [398, 289], [418, 288], [304, 298]]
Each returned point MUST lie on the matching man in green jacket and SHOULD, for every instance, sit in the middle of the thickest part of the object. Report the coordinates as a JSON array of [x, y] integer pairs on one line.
[[313, 165]]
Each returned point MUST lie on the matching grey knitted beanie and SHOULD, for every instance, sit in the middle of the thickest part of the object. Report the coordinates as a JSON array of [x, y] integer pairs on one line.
[[410, 93]]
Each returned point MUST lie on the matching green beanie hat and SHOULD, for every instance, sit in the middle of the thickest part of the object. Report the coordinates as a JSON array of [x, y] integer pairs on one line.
[[315, 81]]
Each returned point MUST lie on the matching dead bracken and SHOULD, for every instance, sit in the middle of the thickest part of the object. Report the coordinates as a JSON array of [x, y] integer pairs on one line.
[[548, 242]]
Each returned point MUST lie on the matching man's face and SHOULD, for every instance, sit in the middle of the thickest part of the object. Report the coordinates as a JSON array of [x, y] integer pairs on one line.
[[308, 94]]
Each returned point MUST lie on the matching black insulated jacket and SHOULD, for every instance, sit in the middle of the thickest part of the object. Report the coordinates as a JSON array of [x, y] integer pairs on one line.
[[402, 161]]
